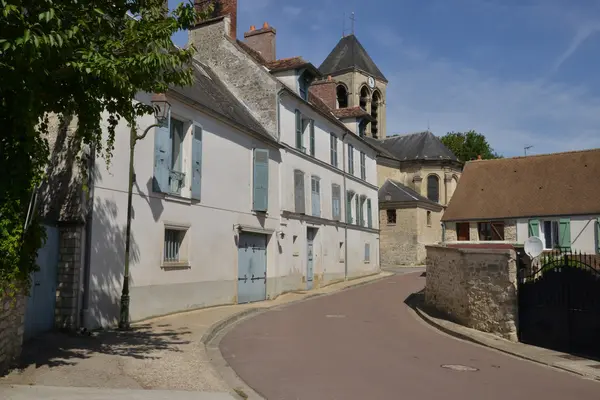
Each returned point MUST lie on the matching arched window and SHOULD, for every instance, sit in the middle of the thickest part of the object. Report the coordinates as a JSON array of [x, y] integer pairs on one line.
[[342, 96], [364, 97], [375, 113], [433, 188], [428, 218]]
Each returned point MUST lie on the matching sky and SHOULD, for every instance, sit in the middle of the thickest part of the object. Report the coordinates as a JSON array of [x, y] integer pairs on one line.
[[521, 72]]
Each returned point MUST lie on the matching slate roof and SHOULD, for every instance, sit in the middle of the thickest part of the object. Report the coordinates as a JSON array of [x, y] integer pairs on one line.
[[377, 145], [417, 146], [559, 184], [394, 192], [350, 54], [210, 92]]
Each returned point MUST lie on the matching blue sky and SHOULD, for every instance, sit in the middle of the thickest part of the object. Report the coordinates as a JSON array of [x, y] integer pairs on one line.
[[522, 72]]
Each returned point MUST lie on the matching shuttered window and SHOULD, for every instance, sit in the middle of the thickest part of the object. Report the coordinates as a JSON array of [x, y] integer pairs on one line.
[[350, 159], [533, 228], [369, 214], [260, 193], [299, 191], [162, 157], [349, 196], [197, 162], [312, 137], [333, 149], [565, 234], [336, 202], [363, 168], [315, 189], [358, 211], [299, 131]]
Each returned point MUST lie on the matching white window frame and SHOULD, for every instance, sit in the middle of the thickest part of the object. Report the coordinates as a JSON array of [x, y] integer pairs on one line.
[[553, 221]]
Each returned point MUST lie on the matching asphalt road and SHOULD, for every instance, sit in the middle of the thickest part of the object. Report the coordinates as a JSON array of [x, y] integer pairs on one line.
[[365, 343]]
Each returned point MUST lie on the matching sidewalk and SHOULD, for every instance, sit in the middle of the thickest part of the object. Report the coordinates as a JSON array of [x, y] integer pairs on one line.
[[567, 362], [166, 353]]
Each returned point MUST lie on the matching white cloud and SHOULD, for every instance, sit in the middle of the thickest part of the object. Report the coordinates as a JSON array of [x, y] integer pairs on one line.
[[581, 35]]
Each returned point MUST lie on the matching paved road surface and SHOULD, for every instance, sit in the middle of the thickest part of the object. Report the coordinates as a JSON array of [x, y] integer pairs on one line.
[[365, 343]]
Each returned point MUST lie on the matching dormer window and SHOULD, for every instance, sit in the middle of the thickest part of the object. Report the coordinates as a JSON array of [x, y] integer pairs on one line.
[[342, 96]]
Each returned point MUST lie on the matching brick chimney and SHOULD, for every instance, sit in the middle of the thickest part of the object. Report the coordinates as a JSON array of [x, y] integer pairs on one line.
[[263, 41], [326, 91], [220, 9]]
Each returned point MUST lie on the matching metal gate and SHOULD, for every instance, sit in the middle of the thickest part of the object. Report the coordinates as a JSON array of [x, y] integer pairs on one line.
[[559, 303], [252, 267], [39, 314]]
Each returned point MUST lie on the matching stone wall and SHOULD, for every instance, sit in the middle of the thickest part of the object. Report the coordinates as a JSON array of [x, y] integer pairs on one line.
[[12, 319], [510, 232], [475, 287], [399, 242]]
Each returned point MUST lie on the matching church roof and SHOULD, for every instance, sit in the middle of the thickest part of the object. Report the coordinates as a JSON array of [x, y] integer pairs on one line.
[[417, 146], [350, 54]]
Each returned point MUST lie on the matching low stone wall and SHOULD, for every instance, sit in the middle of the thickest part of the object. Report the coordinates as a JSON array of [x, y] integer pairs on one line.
[[475, 287], [12, 319]]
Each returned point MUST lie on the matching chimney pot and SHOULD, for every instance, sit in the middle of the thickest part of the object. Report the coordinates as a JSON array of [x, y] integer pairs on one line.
[[262, 41], [266, 25], [252, 28]]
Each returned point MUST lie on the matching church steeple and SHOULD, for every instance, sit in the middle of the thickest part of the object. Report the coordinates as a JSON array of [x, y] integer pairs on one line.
[[360, 83]]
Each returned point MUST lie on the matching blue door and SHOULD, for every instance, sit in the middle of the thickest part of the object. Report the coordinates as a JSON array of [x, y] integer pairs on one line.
[[310, 236], [252, 267], [39, 315]]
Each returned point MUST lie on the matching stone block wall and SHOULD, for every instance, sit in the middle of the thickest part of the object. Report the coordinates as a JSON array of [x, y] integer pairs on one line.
[[68, 281], [399, 242], [475, 287], [12, 319]]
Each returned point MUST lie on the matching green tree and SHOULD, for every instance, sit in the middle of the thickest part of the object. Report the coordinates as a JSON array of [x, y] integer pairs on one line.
[[469, 145], [84, 58]]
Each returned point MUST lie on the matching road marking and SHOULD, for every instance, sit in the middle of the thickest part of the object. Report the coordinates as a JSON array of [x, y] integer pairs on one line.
[[460, 368], [335, 316]]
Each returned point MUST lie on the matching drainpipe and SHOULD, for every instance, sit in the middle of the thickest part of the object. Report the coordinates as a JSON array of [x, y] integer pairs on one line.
[[443, 232], [84, 312], [345, 205]]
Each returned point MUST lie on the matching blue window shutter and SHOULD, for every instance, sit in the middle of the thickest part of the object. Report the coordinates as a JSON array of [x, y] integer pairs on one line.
[[162, 157], [358, 213], [197, 162], [369, 216], [260, 200], [348, 208], [336, 206], [350, 159], [299, 143], [299, 192], [534, 228], [312, 138], [315, 196], [564, 240]]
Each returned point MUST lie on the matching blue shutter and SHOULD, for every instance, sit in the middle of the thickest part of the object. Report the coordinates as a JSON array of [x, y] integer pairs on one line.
[[369, 216], [336, 202], [299, 143], [348, 207], [299, 192], [196, 162], [312, 138], [367, 252], [316, 196], [350, 159], [162, 157], [261, 180], [534, 228], [358, 213], [564, 239]]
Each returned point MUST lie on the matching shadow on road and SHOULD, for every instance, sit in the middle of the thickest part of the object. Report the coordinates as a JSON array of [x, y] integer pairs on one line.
[[58, 349]]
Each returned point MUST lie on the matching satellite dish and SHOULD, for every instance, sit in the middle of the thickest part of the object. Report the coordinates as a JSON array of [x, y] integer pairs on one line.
[[534, 246]]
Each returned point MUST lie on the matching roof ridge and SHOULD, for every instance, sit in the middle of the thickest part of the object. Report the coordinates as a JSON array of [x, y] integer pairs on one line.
[[537, 155]]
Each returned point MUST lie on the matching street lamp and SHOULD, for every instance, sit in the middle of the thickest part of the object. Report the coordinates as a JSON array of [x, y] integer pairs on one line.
[[161, 109]]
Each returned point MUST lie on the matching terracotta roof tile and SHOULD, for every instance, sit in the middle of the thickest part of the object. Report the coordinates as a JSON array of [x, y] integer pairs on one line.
[[535, 186], [350, 112], [286, 63]]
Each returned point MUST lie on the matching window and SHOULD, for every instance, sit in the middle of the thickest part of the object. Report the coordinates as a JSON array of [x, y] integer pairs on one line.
[[391, 217], [333, 149], [363, 169], [433, 188], [358, 211], [303, 86], [463, 231], [362, 127], [176, 177], [375, 113], [197, 162], [299, 131], [556, 234], [299, 191], [311, 126], [351, 159], [369, 214], [367, 252], [315, 185], [361, 209], [336, 202], [260, 181], [364, 97], [491, 231], [428, 218], [349, 196], [342, 96], [175, 247]]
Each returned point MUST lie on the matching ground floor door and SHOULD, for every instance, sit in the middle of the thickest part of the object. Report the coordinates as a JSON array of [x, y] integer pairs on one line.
[[559, 304], [39, 314], [252, 267], [310, 254]]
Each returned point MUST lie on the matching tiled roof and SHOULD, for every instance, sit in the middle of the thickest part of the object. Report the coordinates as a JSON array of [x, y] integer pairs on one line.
[[417, 146], [545, 185], [350, 54], [394, 192], [350, 112], [286, 63], [208, 91]]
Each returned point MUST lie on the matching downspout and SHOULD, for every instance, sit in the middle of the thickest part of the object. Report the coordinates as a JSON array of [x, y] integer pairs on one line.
[[345, 206], [84, 312], [443, 232]]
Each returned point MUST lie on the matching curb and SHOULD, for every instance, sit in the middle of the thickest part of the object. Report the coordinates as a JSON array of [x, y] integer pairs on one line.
[[222, 324], [459, 335]]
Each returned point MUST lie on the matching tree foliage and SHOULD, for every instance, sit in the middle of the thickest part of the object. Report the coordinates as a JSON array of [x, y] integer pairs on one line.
[[469, 145], [84, 58]]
